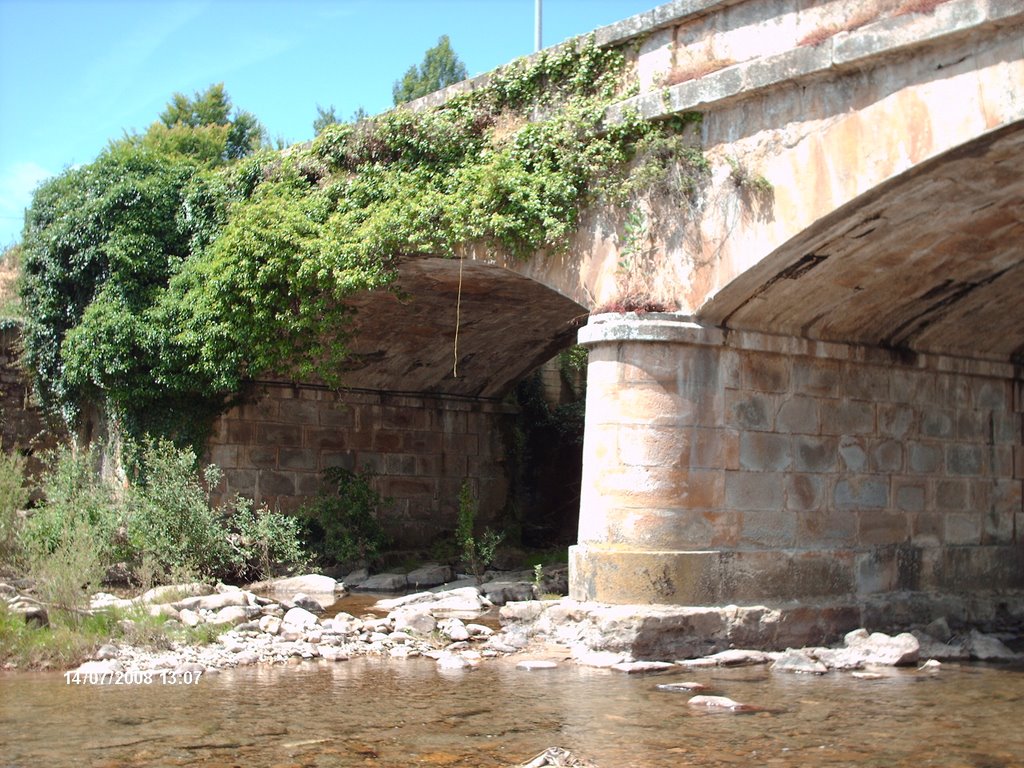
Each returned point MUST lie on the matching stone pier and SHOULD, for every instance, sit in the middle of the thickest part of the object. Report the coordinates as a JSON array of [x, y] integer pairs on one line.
[[738, 467]]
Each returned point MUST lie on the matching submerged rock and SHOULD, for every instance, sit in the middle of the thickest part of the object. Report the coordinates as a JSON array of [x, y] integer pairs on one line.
[[720, 702]]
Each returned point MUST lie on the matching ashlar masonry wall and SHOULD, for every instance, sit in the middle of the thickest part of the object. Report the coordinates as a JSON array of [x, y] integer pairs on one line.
[[421, 448], [724, 467]]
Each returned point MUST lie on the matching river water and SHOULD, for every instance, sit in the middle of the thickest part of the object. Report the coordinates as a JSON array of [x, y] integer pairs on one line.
[[372, 712]]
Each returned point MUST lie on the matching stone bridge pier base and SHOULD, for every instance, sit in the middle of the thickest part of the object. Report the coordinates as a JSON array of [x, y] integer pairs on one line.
[[725, 467]]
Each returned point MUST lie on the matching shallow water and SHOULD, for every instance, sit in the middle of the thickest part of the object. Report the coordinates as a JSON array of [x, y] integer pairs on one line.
[[370, 712]]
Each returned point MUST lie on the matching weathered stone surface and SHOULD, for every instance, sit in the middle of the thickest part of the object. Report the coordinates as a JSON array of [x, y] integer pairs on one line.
[[501, 592], [798, 662], [879, 648], [385, 582], [314, 583], [532, 664], [988, 648], [718, 702], [299, 618], [430, 575], [168, 592], [642, 667]]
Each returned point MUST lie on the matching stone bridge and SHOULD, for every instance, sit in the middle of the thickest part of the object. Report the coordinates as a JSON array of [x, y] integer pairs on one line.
[[830, 407]]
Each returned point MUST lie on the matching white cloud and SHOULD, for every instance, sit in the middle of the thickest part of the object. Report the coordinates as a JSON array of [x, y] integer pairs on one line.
[[17, 183]]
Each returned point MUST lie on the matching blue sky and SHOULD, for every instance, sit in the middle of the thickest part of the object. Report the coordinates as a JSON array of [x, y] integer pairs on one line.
[[77, 73]]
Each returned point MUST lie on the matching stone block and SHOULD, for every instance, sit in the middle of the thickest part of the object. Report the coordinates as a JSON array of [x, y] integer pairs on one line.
[[879, 527], [753, 490], [866, 492], [848, 417], [765, 451], [991, 395], [864, 382], [853, 454], [702, 489], [886, 456], [798, 414], [823, 527], [815, 454], [765, 373], [337, 416], [714, 448], [271, 483], [961, 528], [299, 412], [241, 481], [896, 420], [767, 528], [926, 529], [951, 495], [938, 424], [911, 386], [1006, 427], [297, 458], [973, 426], [390, 442], [1001, 460], [328, 439], [820, 378], [909, 495], [261, 456], [750, 411], [224, 456], [805, 492], [400, 464], [238, 431], [965, 460], [651, 446], [346, 459], [279, 434], [924, 458]]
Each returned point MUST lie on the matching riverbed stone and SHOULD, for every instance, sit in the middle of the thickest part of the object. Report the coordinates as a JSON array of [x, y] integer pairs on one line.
[[598, 659], [532, 664], [718, 702], [214, 602], [419, 622], [165, 610], [453, 661], [687, 686], [168, 593], [311, 604], [385, 582], [356, 577], [643, 667], [454, 629], [270, 624], [988, 648], [501, 592], [189, 618], [310, 583], [298, 619], [879, 648], [430, 575], [229, 615], [799, 662]]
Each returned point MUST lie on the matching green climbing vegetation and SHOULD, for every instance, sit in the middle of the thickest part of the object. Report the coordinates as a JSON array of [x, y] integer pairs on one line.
[[179, 264]]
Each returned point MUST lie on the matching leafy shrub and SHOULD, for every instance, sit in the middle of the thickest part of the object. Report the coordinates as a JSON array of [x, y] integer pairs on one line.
[[342, 520], [169, 517], [477, 552], [266, 542], [13, 498], [76, 500]]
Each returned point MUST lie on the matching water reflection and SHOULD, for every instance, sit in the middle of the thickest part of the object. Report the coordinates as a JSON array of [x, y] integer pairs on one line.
[[381, 713]]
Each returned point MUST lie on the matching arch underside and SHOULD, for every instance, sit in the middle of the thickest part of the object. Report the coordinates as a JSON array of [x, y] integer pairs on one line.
[[930, 261], [507, 325]]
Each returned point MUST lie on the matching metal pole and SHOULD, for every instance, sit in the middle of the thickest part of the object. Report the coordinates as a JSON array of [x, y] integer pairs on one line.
[[537, 13]]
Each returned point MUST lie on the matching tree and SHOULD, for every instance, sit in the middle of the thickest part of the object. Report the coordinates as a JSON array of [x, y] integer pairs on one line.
[[440, 67], [324, 117], [204, 129]]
